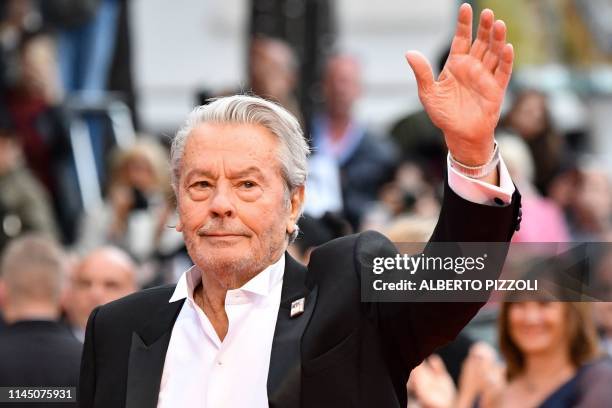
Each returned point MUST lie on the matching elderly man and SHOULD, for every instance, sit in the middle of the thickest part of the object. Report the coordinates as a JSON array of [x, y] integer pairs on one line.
[[106, 274], [248, 326]]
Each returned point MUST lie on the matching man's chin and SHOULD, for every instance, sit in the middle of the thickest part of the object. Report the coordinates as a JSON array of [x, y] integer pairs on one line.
[[232, 264]]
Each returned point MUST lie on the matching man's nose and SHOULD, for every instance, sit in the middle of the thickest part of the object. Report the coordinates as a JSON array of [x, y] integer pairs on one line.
[[97, 294], [221, 204]]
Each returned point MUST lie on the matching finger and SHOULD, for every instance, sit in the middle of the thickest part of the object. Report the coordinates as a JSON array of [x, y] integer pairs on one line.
[[463, 33], [436, 364], [411, 383], [483, 38], [422, 70], [482, 349], [498, 40], [503, 72]]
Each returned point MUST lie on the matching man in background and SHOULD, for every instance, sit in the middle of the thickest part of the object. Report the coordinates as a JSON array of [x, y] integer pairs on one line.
[[364, 162], [35, 349], [106, 274], [273, 72]]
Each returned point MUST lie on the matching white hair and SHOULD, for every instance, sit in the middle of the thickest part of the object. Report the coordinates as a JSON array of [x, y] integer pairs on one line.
[[244, 109]]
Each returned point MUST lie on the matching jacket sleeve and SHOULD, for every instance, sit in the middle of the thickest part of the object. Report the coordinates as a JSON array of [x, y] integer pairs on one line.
[[87, 381], [414, 330]]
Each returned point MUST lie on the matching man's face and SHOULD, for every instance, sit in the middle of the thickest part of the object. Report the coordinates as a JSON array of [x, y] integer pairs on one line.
[[99, 279], [341, 85], [232, 202], [270, 72]]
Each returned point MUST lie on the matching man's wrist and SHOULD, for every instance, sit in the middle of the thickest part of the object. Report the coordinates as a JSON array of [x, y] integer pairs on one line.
[[479, 171], [470, 150]]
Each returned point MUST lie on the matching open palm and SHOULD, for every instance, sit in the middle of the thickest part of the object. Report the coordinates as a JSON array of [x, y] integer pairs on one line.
[[465, 101]]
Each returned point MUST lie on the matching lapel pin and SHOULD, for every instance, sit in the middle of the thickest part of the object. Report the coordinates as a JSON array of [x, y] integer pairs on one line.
[[297, 308]]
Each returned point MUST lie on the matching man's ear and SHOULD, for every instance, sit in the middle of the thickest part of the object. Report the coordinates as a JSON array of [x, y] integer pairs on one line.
[[297, 201]]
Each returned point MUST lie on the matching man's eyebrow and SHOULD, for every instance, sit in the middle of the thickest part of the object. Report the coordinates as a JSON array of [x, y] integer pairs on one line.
[[199, 173], [249, 171]]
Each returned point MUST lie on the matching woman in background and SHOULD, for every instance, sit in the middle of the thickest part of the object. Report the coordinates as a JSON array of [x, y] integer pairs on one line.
[[552, 360], [138, 209]]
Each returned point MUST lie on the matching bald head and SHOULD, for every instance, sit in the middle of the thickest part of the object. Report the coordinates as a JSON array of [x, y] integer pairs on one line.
[[106, 274], [32, 273]]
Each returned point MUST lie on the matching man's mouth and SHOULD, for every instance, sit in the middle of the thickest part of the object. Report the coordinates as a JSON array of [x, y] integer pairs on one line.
[[220, 235]]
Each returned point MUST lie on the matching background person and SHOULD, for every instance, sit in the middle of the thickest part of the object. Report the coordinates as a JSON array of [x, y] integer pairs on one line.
[[35, 349], [551, 354], [137, 211], [24, 203], [364, 162], [104, 275]]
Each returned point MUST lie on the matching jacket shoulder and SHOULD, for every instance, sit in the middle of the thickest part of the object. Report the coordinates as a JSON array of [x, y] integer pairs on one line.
[[347, 254], [354, 244], [137, 306]]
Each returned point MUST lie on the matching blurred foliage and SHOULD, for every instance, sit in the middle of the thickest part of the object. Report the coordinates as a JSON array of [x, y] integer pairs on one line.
[[553, 31]]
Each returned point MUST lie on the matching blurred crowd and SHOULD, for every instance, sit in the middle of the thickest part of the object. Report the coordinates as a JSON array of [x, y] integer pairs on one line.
[[62, 258]]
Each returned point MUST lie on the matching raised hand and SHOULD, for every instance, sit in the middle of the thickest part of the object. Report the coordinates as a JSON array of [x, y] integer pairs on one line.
[[465, 102], [431, 384]]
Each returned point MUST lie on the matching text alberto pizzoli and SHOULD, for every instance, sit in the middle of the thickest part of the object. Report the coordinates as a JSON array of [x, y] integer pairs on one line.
[[459, 265]]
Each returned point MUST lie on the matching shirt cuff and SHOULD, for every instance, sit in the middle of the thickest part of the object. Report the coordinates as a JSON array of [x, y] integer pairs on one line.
[[478, 191]]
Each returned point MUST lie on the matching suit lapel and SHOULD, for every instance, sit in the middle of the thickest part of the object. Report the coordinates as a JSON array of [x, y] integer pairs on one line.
[[284, 375], [147, 356]]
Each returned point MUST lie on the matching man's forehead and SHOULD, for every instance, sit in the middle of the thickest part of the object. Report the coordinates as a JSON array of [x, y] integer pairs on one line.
[[103, 264], [211, 132], [241, 147]]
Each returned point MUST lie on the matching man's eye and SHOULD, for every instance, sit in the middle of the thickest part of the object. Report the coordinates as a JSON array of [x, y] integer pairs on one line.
[[201, 184], [248, 184]]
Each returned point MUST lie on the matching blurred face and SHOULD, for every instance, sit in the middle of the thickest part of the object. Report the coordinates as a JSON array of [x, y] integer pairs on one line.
[[38, 62], [593, 200], [529, 117], [232, 202], [140, 173], [17, 11], [270, 70], [98, 280], [538, 327], [342, 85]]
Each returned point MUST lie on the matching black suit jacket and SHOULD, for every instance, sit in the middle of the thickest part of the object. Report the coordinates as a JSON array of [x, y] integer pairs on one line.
[[38, 353], [340, 352]]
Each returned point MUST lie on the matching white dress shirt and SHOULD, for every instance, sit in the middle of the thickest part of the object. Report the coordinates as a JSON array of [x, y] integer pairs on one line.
[[478, 191], [202, 371]]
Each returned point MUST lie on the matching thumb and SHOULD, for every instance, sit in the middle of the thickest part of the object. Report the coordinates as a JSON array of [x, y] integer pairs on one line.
[[422, 70], [436, 364]]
